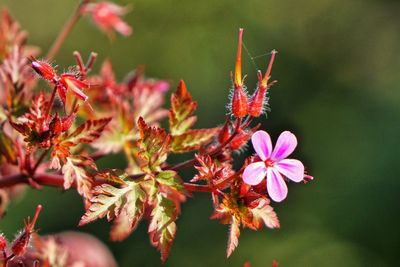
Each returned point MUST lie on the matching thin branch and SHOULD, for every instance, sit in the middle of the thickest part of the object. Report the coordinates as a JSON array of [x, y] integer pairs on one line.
[[57, 180], [66, 30]]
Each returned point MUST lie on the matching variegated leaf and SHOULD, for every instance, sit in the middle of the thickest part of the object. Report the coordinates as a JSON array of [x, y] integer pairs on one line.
[[154, 145], [87, 132], [182, 108], [192, 139], [162, 227], [74, 172]]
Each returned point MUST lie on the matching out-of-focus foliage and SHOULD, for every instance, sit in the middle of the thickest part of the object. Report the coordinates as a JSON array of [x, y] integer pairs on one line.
[[338, 90]]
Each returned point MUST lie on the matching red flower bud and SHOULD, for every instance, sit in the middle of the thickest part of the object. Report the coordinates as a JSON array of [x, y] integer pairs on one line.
[[44, 69], [21, 243], [225, 132], [239, 98], [257, 101], [3, 242], [240, 139], [239, 103], [256, 106]]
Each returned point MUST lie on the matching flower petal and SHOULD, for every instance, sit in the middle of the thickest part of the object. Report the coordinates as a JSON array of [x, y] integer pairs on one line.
[[254, 173], [285, 145], [262, 144], [276, 186], [291, 168]]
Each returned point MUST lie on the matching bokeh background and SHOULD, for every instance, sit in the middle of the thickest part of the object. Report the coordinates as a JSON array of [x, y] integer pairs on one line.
[[338, 70]]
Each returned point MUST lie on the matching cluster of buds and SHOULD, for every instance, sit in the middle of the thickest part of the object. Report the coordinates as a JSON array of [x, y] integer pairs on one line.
[[241, 106]]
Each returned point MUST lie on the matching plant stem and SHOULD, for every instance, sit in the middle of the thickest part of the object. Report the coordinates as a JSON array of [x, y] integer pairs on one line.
[[53, 95], [41, 158], [57, 180], [218, 149], [66, 30]]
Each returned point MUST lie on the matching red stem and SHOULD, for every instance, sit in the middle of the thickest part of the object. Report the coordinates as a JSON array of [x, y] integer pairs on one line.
[[53, 95], [213, 153], [66, 30], [57, 180]]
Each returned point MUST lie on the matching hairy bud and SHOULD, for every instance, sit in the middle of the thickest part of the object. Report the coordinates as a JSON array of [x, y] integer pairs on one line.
[[225, 132], [239, 99], [257, 101], [44, 69], [20, 244]]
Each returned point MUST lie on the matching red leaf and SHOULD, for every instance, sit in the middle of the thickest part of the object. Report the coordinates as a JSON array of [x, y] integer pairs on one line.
[[87, 132], [162, 227], [234, 233], [182, 107], [154, 146], [192, 139]]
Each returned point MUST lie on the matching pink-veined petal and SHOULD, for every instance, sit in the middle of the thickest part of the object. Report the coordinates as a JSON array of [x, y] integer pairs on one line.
[[276, 186], [291, 168], [254, 173], [285, 145], [76, 86], [262, 144]]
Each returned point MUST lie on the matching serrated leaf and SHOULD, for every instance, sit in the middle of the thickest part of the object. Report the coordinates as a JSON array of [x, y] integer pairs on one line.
[[7, 148], [73, 172], [162, 227], [114, 176], [170, 178], [107, 200], [264, 214], [182, 108], [130, 215], [233, 240], [154, 145], [211, 169], [192, 139], [87, 132]]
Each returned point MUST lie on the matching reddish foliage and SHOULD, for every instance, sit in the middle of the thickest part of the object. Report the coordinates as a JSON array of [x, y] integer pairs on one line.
[[41, 131]]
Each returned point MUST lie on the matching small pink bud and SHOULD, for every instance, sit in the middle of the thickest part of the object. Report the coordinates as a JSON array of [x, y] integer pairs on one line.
[[44, 69], [107, 17]]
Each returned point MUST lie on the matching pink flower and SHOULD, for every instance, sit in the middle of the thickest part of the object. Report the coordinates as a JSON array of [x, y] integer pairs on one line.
[[107, 16], [274, 164]]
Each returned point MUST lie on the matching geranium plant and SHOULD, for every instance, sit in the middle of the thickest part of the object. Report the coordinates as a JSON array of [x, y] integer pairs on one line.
[[54, 136]]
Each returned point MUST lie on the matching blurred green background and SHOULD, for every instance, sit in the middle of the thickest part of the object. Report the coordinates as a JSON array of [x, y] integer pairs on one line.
[[338, 70]]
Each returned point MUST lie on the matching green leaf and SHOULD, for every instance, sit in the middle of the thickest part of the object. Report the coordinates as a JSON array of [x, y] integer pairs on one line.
[[114, 176], [154, 145], [192, 139], [162, 227], [182, 107], [170, 178]]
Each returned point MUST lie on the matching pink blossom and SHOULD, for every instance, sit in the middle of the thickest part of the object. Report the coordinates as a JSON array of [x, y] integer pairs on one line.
[[274, 164], [107, 17]]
